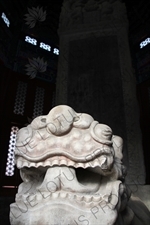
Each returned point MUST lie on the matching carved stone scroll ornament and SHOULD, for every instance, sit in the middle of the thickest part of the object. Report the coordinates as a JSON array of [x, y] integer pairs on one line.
[[72, 173]]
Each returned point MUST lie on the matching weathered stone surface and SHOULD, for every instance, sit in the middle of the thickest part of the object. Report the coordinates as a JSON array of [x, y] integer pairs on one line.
[[72, 172]]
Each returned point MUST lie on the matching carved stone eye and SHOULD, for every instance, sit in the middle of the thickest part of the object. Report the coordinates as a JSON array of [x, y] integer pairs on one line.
[[43, 120]]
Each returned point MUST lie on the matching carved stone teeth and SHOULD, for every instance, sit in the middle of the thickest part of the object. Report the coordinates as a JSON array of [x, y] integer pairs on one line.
[[27, 164], [63, 162], [50, 163], [55, 194], [91, 164], [97, 162], [83, 198], [59, 162], [32, 164], [58, 194], [69, 196], [45, 163], [77, 165], [19, 164], [40, 164], [87, 198], [79, 198], [96, 198], [70, 163], [84, 166], [55, 162], [63, 194]]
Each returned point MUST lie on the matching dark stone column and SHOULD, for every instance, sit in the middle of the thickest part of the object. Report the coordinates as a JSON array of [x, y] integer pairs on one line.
[[95, 73]]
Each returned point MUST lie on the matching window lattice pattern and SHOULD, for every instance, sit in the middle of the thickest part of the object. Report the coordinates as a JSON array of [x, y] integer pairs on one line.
[[38, 102], [20, 98], [10, 166]]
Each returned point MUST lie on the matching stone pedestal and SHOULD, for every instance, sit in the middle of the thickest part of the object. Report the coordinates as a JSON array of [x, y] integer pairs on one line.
[[95, 73]]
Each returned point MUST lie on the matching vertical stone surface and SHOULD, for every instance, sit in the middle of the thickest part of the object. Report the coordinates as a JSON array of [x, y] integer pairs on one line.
[[95, 73]]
